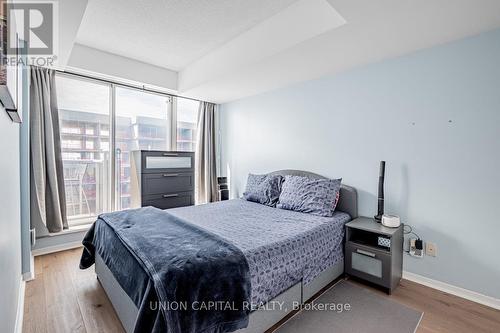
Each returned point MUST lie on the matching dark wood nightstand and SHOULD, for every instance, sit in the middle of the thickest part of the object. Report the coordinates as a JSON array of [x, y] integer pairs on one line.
[[374, 252]]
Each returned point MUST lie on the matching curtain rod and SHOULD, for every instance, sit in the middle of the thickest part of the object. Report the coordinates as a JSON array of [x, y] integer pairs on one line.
[[138, 87]]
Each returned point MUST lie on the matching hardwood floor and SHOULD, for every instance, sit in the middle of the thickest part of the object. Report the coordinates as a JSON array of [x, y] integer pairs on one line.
[[63, 298]]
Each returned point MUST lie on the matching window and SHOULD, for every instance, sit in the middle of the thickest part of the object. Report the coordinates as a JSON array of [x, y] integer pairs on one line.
[[84, 121], [89, 128], [142, 123], [187, 117]]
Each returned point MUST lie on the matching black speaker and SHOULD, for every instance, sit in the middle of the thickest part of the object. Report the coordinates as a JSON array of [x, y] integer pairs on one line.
[[223, 188], [380, 201]]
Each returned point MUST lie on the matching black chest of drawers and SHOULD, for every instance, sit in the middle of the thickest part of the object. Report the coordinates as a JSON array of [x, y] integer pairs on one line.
[[162, 179]]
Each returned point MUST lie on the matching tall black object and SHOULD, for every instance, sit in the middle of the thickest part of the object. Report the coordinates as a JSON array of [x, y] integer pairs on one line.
[[381, 175], [223, 188]]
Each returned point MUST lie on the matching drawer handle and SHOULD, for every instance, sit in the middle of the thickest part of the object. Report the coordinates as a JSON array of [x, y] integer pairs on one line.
[[170, 195], [170, 154], [365, 253], [170, 174]]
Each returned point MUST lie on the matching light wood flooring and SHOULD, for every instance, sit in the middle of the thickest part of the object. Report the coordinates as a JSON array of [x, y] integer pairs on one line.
[[65, 299]]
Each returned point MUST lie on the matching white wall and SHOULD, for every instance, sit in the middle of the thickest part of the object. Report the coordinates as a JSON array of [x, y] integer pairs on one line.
[[104, 64], [434, 116]]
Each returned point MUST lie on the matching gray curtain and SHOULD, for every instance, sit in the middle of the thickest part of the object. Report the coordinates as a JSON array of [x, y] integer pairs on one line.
[[48, 201], [205, 162]]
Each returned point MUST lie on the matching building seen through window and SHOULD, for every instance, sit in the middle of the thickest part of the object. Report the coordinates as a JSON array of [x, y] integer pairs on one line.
[[142, 121]]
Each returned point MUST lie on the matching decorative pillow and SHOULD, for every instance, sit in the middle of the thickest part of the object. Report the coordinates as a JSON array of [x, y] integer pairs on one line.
[[264, 189], [306, 195]]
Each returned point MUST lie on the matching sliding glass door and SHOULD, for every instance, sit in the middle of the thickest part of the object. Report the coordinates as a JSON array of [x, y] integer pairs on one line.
[[84, 117], [101, 124], [142, 122]]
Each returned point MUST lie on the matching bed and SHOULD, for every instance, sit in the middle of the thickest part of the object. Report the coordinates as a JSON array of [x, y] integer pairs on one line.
[[271, 240]]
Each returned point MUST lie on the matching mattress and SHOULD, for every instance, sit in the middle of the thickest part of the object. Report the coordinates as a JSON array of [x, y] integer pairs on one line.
[[281, 247]]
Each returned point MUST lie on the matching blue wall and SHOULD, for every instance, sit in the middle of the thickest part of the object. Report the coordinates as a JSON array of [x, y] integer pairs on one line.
[[10, 222], [434, 116], [15, 247]]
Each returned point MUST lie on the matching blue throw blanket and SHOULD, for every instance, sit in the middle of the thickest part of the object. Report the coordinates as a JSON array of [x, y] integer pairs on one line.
[[201, 281]]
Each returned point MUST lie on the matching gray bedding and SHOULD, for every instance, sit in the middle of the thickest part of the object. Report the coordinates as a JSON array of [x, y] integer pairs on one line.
[[281, 246]]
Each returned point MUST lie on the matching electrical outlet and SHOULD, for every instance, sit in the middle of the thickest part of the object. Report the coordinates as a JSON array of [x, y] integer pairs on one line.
[[416, 248], [430, 249]]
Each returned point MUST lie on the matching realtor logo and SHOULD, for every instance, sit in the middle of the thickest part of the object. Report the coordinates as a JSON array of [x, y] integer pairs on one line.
[[35, 24]]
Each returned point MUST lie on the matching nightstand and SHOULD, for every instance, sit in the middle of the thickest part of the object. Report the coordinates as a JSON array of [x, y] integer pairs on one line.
[[374, 253]]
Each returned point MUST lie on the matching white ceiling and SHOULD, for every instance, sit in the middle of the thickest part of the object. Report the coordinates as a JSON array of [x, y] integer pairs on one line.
[[170, 33], [225, 50]]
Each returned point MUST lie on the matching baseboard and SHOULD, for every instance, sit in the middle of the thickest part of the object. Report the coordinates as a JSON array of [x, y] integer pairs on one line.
[[20, 308], [28, 276], [56, 248], [454, 290]]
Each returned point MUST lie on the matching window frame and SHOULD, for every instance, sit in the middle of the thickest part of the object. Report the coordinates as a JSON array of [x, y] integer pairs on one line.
[[112, 172]]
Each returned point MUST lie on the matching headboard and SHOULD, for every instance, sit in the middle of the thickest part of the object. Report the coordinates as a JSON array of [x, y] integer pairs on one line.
[[348, 200]]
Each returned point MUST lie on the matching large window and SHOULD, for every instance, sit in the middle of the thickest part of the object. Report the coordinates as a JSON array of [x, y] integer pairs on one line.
[[84, 116], [187, 117], [101, 124], [142, 123]]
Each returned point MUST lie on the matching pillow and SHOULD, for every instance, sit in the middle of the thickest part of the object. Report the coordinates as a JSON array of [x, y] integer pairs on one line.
[[306, 195], [264, 189]]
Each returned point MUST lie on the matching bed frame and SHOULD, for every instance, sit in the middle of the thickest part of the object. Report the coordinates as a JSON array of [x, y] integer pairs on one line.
[[260, 320]]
